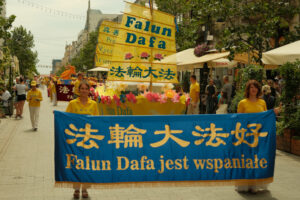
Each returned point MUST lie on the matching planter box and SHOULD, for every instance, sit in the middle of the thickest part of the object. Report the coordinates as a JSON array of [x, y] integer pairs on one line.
[[279, 142], [287, 140], [295, 147]]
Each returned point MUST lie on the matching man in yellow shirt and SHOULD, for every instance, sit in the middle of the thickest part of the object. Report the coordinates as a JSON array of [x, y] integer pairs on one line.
[[76, 85], [194, 95], [34, 98]]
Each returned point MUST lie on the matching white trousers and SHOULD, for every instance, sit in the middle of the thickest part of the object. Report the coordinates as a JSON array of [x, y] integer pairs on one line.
[[54, 99], [193, 109], [34, 116]]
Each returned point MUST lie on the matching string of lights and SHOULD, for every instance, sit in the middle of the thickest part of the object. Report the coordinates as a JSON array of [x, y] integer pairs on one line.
[[51, 11], [44, 66]]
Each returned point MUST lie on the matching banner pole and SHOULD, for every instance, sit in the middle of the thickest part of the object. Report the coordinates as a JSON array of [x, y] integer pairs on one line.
[[151, 57]]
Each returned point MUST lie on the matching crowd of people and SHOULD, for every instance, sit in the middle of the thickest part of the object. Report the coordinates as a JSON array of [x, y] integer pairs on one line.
[[219, 95]]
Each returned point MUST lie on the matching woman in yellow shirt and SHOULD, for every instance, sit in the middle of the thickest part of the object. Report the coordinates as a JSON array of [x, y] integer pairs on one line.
[[85, 106], [252, 104]]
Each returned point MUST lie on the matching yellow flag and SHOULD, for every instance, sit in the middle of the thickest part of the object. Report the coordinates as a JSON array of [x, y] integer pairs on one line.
[[108, 33], [144, 39]]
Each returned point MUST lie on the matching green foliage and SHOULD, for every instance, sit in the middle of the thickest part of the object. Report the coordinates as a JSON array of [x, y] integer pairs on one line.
[[251, 72], [185, 82], [194, 15], [86, 56], [60, 71], [290, 72], [21, 45], [5, 26], [249, 24]]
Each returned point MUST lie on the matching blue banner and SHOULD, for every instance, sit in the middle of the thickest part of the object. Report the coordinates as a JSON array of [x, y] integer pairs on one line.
[[233, 148]]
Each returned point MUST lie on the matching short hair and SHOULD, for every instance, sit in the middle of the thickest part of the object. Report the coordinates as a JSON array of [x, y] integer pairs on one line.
[[21, 79], [226, 78], [84, 83], [193, 77], [255, 84]]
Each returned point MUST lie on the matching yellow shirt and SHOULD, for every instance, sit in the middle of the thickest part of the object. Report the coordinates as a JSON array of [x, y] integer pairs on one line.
[[247, 106], [194, 89], [75, 106], [53, 88], [76, 87], [34, 98]]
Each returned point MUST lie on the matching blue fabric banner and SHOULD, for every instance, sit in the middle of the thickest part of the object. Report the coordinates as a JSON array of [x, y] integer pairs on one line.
[[235, 148]]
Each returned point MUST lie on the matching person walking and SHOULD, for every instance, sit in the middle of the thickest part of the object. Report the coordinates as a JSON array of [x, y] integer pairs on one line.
[[269, 99], [53, 91], [34, 98], [252, 104], [21, 97], [222, 104], [85, 106], [227, 87], [211, 100], [76, 85], [193, 107], [218, 83]]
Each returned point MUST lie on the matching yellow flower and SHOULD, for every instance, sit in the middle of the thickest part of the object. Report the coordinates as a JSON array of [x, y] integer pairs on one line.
[[170, 94]]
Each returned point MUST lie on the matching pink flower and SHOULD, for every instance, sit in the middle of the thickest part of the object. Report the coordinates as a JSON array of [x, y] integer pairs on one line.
[[152, 97], [176, 98], [128, 56], [145, 55], [158, 56], [106, 100], [163, 98], [117, 100], [131, 97]]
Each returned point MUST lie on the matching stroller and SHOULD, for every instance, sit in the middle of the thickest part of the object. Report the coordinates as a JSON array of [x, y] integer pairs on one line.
[[7, 107]]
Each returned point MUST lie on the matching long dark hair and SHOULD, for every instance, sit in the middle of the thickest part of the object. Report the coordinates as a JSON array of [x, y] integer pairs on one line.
[[255, 84]]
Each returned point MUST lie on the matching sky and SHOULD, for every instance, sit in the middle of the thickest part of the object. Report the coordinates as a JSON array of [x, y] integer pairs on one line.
[[52, 31]]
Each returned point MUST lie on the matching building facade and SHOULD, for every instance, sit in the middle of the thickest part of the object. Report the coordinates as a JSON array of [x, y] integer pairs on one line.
[[56, 65]]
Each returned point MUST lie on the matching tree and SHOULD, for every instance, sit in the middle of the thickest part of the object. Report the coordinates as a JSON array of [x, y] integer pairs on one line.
[[21, 45], [251, 26], [85, 59], [5, 26]]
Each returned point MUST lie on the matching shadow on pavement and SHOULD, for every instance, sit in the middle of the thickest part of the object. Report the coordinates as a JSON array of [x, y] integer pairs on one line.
[[265, 195]]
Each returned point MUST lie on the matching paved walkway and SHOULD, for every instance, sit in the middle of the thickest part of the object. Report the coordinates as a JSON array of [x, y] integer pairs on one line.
[[27, 169]]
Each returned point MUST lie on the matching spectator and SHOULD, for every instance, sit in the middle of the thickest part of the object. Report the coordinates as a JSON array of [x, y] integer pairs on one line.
[[227, 88], [21, 97], [218, 83], [194, 95], [211, 101], [4, 97], [269, 99], [222, 104], [273, 91]]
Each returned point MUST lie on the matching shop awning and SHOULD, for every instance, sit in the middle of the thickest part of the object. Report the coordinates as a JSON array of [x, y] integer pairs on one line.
[[99, 69], [282, 55]]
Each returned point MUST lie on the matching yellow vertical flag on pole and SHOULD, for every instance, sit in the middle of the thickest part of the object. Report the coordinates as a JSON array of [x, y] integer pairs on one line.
[[145, 38], [108, 33]]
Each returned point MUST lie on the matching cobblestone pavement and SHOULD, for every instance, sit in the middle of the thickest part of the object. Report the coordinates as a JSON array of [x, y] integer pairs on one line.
[[27, 169]]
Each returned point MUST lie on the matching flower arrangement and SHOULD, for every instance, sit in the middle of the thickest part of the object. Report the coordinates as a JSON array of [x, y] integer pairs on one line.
[[128, 56], [200, 50], [142, 87]]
